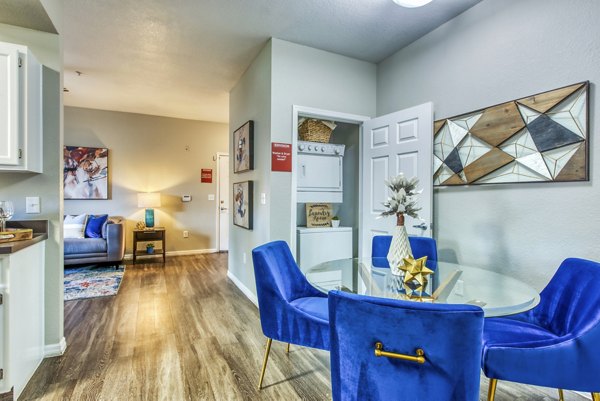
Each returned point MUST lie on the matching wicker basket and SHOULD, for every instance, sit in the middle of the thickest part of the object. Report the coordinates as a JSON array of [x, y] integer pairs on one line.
[[315, 130]]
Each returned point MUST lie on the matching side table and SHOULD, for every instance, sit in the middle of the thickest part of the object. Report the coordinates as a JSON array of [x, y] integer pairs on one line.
[[154, 234]]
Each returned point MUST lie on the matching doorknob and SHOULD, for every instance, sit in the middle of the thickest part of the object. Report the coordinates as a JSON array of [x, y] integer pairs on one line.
[[223, 209], [422, 226]]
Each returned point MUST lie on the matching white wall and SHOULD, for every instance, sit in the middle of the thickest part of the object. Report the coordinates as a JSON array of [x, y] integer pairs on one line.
[[153, 154], [495, 52]]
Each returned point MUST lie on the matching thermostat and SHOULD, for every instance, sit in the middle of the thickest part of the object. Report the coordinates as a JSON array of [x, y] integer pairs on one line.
[[186, 198]]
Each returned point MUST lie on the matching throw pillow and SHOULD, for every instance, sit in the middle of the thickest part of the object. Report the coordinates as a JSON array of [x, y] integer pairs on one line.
[[74, 226], [93, 228]]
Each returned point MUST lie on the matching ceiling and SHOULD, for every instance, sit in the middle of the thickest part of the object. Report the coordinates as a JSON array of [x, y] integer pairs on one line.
[[180, 58], [26, 14]]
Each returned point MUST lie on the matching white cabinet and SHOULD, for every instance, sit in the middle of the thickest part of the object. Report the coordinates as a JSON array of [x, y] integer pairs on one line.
[[20, 109], [318, 245], [21, 316]]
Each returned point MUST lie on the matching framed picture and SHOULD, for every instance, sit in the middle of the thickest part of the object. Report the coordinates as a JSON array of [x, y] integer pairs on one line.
[[85, 172], [243, 142], [243, 193]]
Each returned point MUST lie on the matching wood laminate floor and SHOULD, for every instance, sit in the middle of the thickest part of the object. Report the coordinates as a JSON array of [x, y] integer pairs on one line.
[[185, 332]]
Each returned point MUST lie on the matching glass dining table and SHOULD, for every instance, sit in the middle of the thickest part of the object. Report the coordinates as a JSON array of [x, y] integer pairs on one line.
[[497, 294]]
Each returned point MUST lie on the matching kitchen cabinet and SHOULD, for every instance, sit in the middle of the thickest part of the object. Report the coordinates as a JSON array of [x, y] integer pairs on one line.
[[20, 109], [21, 315]]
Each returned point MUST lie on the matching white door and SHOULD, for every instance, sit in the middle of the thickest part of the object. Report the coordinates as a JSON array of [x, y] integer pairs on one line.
[[223, 200], [394, 143]]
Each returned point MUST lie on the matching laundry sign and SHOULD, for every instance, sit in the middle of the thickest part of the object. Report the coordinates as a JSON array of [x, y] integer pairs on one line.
[[318, 215], [281, 157], [206, 175]]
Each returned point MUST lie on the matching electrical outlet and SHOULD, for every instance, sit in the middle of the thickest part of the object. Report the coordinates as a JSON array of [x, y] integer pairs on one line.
[[244, 258], [459, 289], [211, 197], [186, 234]]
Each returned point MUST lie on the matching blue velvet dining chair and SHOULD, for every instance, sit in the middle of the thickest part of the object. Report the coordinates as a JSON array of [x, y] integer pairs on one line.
[[393, 350], [291, 310], [420, 246], [557, 343]]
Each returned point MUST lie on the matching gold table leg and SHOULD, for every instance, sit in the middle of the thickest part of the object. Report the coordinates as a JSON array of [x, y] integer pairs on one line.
[[288, 349], [492, 389], [596, 396], [264, 367], [561, 396]]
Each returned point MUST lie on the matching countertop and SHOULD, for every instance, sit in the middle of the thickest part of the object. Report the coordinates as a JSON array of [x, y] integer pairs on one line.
[[40, 233]]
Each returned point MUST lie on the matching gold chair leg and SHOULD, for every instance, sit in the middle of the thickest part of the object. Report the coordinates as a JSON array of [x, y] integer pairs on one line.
[[596, 396], [561, 396], [264, 367], [492, 389], [288, 349]]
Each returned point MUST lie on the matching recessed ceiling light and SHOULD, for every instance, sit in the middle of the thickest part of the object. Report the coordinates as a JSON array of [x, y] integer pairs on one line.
[[411, 3]]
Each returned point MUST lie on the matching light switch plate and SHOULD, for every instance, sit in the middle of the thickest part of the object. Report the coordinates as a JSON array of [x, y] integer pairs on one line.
[[211, 196], [32, 204], [263, 198]]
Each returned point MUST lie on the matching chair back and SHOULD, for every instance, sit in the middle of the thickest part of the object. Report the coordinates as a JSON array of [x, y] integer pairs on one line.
[[279, 281], [570, 303], [449, 335], [420, 246]]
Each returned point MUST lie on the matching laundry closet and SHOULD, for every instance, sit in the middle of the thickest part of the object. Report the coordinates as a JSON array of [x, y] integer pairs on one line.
[[327, 177]]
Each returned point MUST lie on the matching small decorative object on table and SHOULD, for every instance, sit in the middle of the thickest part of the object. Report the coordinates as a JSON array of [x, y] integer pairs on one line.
[[403, 201], [150, 249], [140, 225], [6, 212], [335, 221]]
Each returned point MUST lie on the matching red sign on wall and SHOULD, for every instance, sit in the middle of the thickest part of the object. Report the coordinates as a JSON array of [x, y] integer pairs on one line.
[[206, 175], [281, 157]]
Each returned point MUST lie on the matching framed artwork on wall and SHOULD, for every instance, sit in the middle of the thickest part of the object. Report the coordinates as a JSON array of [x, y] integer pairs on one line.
[[243, 194], [243, 142], [538, 138], [85, 172]]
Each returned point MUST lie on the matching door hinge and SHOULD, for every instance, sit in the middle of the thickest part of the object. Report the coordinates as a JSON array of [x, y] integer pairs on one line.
[[1, 374], [1, 299], [20, 153], [20, 62]]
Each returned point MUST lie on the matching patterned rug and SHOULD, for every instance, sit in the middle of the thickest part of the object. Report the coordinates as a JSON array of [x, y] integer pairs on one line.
[[92, 281]]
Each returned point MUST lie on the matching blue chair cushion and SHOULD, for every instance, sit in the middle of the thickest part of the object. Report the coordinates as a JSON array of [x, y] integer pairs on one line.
[[93, 228], [500, 332], [316, 307]]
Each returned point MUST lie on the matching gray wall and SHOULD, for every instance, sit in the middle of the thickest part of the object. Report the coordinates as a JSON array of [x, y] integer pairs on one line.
[[495, 52], [16, 186], [250, 99], [148, 154], [309, 77], [286, 74]]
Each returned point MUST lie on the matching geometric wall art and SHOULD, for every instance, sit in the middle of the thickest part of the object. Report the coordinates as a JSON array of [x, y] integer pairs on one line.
[[540, 138]]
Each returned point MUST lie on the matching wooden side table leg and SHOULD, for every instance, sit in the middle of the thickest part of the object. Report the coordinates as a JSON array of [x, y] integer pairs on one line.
[[164, 246], [134, 247]]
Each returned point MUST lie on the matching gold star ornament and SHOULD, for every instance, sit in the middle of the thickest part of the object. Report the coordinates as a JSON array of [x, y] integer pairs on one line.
[[415, 274]]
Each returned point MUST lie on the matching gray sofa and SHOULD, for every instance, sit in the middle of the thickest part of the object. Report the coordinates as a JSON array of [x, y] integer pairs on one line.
[[108, 249]]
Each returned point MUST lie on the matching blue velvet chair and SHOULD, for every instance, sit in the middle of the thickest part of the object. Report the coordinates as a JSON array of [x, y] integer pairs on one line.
[[557, 343], [291, 310], [449, 337], [421, 246]]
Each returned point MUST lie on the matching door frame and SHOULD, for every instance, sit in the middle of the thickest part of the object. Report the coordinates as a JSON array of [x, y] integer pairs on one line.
[[325, 115], [218, 200]]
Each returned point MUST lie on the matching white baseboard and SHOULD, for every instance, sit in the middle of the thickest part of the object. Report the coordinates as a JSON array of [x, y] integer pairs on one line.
[[129, 256], [249, 294], [56, 349]]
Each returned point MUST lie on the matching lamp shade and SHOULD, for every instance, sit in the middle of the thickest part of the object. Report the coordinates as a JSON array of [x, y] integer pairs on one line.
[[149, 199]]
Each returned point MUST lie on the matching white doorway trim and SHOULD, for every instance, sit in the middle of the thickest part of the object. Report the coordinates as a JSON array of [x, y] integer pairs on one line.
[[218, 200], [326, 115]]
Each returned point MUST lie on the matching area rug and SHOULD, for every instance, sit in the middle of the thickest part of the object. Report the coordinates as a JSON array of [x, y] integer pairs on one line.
[[92, 281]]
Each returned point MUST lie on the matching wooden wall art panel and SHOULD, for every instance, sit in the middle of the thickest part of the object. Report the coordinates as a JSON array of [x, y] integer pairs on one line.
[[539, 138]]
